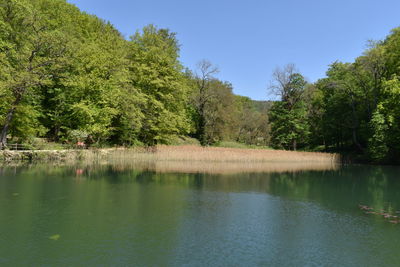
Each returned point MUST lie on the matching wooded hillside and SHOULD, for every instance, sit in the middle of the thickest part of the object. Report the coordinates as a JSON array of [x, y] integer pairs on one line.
[[68, 76]]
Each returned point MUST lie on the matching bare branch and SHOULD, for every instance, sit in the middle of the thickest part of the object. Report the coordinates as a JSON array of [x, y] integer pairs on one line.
[[207, 70], [288, 84]]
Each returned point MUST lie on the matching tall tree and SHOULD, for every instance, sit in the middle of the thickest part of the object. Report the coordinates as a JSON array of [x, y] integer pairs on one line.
[[203, 95], [384, 144], [220, 115], [288, 117], [156, 71], [253, 123], [33, 56]]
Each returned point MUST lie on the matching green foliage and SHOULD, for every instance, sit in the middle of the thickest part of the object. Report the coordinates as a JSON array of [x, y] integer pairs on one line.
[[34, 56], [253, 122], [377, 143], [76, 66], [26, 123], [220, 114], [289, 127], [384, 145], [184, 141], [232, 144], [355, 109], [156, 71], [68, 76], [288, 117]]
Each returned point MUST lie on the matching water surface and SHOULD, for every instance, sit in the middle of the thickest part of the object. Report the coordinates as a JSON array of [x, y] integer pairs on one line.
[[106, 215]]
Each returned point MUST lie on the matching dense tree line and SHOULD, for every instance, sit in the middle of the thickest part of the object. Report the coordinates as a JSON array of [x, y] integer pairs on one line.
[[354, 109], [68, 76]]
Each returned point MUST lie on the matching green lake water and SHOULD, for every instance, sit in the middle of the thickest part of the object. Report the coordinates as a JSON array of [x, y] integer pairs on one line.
[[110, 216]]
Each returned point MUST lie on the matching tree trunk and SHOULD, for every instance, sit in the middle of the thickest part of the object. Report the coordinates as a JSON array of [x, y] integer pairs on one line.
[[202, 125], [356, 141], [4, 131], [7, 122], [355, 125]]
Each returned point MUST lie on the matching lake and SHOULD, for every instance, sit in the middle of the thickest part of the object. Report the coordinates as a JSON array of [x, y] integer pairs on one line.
[[110, 215]]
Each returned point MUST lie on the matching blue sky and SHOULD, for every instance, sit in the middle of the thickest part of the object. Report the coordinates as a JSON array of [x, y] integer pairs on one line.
[[248, 39]]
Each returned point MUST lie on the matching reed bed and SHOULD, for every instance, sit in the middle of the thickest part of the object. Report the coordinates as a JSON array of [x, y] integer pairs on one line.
[[196, 159], [187, 159], [222, 167], [220, 154]]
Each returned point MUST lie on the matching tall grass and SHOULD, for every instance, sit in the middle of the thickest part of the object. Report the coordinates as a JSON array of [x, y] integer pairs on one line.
[[219, 167], [195, 159], [188, 159], [223, 154]]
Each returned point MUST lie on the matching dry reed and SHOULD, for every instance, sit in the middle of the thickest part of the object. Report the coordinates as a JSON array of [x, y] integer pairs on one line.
[[220, 154], [195, 159], [190, 159], [222, 167]]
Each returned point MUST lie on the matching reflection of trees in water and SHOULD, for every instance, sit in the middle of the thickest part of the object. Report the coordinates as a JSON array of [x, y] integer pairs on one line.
[[212, 167], [342, 188], [346, 188]]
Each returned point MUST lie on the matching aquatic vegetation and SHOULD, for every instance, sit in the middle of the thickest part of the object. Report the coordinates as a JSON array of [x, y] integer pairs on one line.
[[387, 215], [223, 154], [187, 159], [197, 159], [55, 237]]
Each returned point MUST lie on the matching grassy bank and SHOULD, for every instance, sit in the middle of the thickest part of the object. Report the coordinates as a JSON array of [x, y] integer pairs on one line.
[[51, 155]]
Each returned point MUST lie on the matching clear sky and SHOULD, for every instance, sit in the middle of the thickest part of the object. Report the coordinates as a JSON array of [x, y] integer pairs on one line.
[[248, 39]]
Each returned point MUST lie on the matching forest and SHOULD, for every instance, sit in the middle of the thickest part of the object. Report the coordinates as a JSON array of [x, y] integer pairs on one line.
[[67, 76]]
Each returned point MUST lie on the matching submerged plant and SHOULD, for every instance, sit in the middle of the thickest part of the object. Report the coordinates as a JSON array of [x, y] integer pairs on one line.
[[387, 215]]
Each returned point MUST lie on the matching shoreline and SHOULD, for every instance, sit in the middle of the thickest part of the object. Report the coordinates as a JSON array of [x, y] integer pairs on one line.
[[170, 153], [179, 159]]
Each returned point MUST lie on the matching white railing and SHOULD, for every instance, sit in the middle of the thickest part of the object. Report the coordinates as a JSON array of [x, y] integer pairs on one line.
[[18, 147]]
